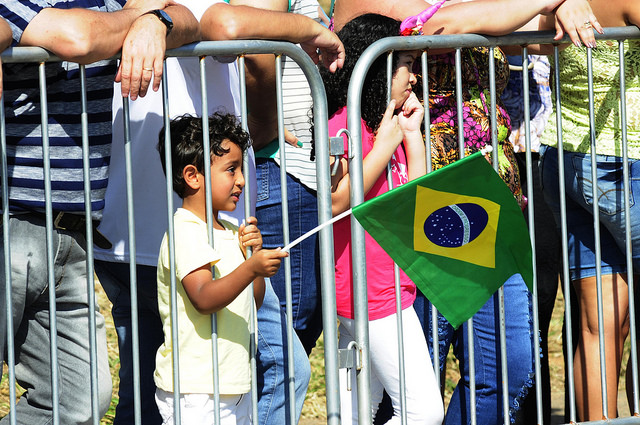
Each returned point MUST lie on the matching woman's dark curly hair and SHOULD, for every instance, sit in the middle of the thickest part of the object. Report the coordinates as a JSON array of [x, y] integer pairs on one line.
[[357, 35], [187, 147]]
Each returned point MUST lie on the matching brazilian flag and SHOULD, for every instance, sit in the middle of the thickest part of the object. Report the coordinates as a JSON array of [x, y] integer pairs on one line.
[[457, 232]]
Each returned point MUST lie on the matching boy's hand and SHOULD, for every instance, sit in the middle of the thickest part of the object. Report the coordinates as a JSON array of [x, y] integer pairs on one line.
[[250, 235], [266, 262]]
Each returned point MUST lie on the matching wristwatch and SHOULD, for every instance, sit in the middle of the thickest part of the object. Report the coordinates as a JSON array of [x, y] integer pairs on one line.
[[164, 18]]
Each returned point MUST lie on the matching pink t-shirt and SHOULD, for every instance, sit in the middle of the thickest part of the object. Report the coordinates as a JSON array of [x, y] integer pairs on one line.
[[380, 275]]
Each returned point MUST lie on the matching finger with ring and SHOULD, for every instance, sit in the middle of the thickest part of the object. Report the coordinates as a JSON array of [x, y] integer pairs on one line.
[[587, 24]]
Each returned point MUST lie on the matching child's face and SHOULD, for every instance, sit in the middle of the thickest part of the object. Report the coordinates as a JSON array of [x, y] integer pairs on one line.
[[403, 78], [227, 180]]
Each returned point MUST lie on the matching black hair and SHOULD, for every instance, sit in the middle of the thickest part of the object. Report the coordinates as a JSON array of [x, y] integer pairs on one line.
[[187, 147], [357, 35]]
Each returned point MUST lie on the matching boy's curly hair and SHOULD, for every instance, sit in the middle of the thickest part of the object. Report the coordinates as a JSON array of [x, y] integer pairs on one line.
[[357, 35], [187, 147]]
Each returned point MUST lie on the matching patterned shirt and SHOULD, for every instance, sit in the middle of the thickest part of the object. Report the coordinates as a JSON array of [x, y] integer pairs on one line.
[[23, 121]]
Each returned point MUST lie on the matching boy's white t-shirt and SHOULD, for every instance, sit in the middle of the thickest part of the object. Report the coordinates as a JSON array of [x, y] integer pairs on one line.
[[146, 118], [192, 251]]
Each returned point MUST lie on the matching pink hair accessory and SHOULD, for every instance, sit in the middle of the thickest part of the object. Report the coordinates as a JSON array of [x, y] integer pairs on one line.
[[413, 24]]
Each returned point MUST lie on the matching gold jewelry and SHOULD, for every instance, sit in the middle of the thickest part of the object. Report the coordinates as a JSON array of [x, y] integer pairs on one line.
[[587, 24], [147, 69]]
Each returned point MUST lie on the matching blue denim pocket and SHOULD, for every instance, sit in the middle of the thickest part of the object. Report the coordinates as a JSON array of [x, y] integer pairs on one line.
[[262, 177], [610, 182]]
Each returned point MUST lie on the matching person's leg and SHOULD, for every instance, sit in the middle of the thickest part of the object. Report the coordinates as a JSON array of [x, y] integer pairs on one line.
[[32, 335], [272, 363], [423, 400], [115, 279], [583, 263], [486, 344], [587, 357], [305, 277]]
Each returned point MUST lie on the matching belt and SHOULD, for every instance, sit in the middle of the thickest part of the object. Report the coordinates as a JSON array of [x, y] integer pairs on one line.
[[77, 223]]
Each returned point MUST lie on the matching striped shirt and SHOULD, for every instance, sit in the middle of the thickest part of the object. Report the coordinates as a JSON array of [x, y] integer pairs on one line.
[[297, 103], [24, 123]]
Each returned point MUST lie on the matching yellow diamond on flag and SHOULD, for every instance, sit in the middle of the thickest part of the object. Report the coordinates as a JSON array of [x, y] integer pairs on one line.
[[456, 226]]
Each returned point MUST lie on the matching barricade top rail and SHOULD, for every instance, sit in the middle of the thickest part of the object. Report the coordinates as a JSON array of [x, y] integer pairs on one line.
[[202, 48]]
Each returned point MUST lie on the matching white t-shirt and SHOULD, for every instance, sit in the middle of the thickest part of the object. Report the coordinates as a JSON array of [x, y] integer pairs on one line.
[[192, 251], [149, 187]]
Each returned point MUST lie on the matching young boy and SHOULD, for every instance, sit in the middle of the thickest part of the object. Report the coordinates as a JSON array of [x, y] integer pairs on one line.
[[199, 293]]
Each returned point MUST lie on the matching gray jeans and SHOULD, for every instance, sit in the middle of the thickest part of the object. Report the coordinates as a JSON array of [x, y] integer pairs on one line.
[[30, 306]]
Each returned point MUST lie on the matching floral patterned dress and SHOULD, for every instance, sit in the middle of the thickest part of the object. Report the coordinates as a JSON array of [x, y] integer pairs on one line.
[[476, 111]]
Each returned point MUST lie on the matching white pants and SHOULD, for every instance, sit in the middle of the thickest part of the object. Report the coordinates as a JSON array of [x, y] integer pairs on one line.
[[197, 409], [423, 400]]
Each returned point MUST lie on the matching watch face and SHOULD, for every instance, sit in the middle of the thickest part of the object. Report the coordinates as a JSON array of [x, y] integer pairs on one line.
[[165, 18]]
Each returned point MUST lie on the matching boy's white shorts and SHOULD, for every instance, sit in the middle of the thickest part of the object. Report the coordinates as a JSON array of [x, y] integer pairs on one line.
[[197, 409]]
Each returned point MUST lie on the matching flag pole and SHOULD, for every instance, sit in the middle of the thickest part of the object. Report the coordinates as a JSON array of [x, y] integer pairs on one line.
[[316, 229]]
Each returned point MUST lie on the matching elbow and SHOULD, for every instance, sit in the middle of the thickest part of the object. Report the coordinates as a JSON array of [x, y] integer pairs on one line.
[[205, 308], [219, 23]]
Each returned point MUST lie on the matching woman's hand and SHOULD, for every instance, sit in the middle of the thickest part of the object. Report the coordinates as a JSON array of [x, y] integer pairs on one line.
[[389, 131], [411, 115], [576, 18]]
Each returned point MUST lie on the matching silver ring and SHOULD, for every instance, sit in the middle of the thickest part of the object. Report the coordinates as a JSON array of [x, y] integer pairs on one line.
[[587, 24], [147, 69]]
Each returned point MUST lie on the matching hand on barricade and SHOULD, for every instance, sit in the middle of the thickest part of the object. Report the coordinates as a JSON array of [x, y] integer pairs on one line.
[[575, 18]]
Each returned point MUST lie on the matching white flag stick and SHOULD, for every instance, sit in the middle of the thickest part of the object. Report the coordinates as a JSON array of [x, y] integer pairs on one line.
[[316, 229]]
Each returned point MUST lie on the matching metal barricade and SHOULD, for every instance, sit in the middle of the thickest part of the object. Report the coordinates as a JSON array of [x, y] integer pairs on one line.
[[458, 42], [198, 50]]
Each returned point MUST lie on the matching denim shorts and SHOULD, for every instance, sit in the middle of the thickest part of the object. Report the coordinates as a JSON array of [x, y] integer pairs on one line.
[[579, 208]]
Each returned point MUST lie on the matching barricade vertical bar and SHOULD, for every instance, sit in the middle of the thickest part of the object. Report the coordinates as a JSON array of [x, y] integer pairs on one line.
[[396, 276], [459, 102], [501, 315], [286, 239], [327, 270], [627, 226], [596, 231], [44, 116], [133, 279], [461, 143], [360, 310], [172, 250], [427, 141], [532, 230], [11, 361], [206, 145], [91, 299], [253, 331], [565, 246]]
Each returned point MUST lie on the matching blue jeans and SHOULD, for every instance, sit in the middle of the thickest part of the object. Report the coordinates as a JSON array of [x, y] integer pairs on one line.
[[271, 356], [272, 360], [30, 307], [305, 270], [114, 278], [486, 344], [579, 203]]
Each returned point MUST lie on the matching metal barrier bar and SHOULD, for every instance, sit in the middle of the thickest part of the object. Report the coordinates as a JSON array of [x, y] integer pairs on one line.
[[91, 299], [627, 223], [44, 116], [172, 248], [11, 361], [284, 196], [133, 277]]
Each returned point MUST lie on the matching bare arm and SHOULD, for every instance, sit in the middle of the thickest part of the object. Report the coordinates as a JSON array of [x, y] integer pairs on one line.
[[268, 20], [388, 138], [210, 295], [145, 45], [82, 35]]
